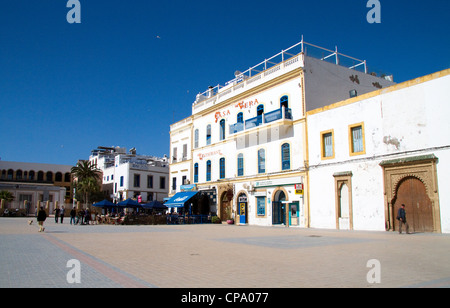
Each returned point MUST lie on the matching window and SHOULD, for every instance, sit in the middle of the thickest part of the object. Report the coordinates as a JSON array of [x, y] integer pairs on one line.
[[137, 180], [196, 173], [208, 170], [356, 139], [174, 183], [240, 117], [174, 154], [261, 206], [149, 181], [285, 157], [240, 164], [260, 110], [184, 152], [222, 129], [121, 181], [222, 168], [284, 102], [261, 161], [208, 134], [327, 144], [162, 183], [196, 138]]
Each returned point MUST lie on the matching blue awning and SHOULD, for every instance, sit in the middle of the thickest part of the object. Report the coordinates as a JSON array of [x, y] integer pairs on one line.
[[180, 199]]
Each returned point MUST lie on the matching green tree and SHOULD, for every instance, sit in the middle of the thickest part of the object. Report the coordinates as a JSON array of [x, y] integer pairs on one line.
[[6, 195], [87, 179]]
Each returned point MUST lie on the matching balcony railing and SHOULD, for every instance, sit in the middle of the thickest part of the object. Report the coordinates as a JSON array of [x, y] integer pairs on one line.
[[282, 113]]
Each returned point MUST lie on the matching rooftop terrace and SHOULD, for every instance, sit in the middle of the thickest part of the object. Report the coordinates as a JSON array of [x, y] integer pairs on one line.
[[286, 60]]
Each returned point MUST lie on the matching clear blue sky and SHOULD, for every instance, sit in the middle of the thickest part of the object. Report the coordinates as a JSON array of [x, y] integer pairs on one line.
[[132, 68]]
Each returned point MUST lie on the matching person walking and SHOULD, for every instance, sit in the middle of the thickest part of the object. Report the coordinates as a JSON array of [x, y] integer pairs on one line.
[[62, 214], [73, 214], [401, 216], [41, 217], [56, 215]]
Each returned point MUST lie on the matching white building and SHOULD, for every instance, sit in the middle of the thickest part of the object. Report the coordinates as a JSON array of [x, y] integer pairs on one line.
[[129, 175], [371, 153], [244, 148]]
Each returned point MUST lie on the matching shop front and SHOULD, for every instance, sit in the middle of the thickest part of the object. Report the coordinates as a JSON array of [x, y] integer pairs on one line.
[[276, 202]]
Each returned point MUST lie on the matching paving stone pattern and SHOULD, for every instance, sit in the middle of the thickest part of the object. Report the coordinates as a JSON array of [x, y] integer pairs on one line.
[[216, 256]]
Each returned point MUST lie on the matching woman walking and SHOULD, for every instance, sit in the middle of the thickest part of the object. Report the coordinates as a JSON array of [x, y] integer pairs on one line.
[[42, 216]]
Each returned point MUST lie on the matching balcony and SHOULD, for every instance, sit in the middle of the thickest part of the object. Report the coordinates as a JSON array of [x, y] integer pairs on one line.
[[282, 113]]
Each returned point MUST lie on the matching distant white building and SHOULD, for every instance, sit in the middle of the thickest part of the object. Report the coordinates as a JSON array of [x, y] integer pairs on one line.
[[129, 175]]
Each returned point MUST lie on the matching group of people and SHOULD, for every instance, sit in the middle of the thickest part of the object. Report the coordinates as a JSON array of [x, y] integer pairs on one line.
[[83, 217]]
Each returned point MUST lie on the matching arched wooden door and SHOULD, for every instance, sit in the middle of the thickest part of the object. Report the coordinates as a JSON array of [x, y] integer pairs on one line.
[[419, 214]]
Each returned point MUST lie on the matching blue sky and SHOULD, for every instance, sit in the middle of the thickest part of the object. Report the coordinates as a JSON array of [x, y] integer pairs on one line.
[[132, 68]]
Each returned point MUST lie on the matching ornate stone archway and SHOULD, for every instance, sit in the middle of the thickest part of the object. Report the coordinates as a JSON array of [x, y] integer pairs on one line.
[[422, 168]]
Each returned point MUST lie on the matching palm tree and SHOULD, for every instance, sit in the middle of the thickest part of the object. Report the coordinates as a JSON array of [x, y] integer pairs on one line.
[[87, 178], [85, 169], [6, 195]]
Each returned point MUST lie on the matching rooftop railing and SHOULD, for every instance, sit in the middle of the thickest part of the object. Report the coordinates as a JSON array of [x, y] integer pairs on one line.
[[288, 57]]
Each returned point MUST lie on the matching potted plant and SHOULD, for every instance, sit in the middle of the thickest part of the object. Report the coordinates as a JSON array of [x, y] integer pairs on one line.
[[230, 219]]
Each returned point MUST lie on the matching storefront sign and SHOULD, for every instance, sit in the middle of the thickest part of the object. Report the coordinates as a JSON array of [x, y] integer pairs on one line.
[[279, 182], [209, 154], [190, 187], [299, 189]]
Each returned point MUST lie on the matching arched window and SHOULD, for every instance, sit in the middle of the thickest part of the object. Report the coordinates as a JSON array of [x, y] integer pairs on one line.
[[58, 177], [67, 177], [261, 161], [19, 175], [31, 175], [222, 168], [284, 102], [240, 117], [260, 110], [208, 170], [10, 174], [240, 164], [285, 157], [208, 134], [222, 130], [196, 173], [49, 176]]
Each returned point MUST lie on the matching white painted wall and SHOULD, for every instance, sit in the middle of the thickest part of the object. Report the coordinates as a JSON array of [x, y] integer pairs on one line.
[[406, 120]]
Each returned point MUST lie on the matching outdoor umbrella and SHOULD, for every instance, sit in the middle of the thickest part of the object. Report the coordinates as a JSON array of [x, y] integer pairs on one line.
[[104, 203], [129, 203], [155, 205]]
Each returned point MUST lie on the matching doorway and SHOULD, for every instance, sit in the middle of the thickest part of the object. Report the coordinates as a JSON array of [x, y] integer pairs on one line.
[[419, 213], [412, 181], [242, 209], [279, 208]]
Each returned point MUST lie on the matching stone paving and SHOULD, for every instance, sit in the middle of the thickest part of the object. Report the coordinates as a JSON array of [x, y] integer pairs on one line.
[[217, 256]]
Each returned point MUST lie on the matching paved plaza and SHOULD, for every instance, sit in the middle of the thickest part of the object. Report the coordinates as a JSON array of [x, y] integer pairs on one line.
[[217, 256]]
